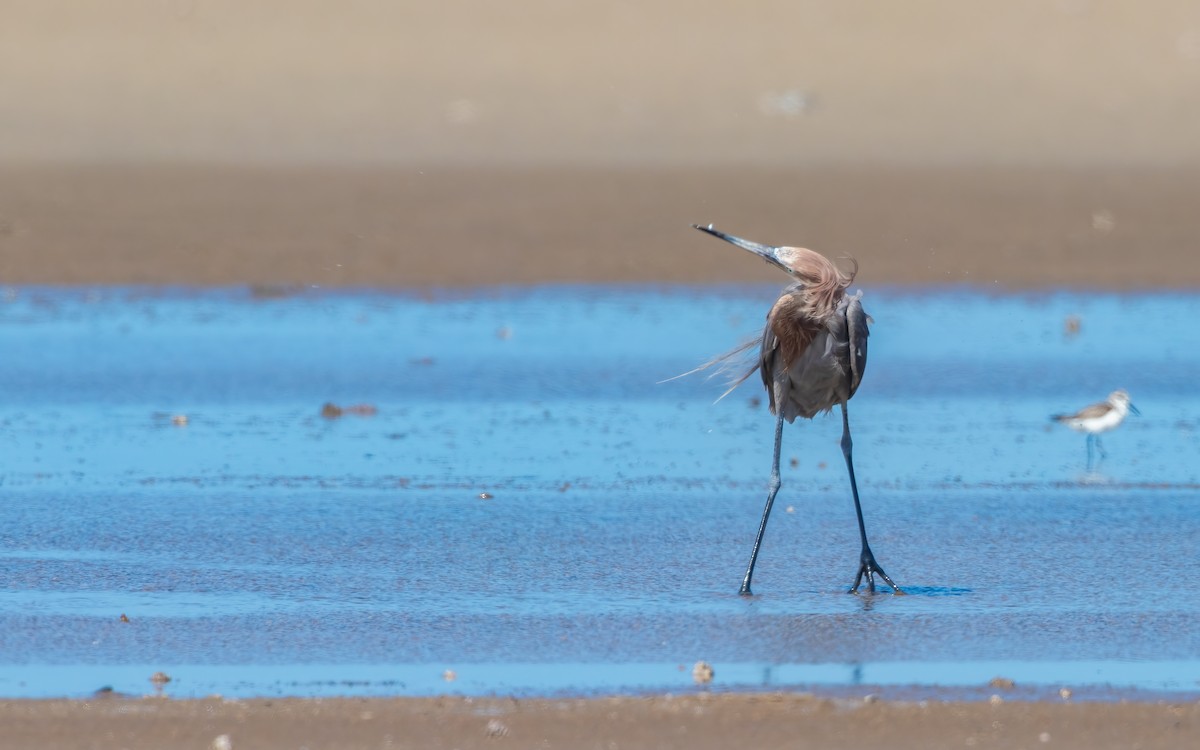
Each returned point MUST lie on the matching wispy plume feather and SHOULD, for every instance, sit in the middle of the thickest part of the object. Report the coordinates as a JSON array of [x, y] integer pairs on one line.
[[734, 366]]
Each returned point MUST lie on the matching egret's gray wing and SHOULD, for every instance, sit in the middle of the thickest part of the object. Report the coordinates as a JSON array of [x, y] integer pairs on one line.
[[856, 327], [768, 357]]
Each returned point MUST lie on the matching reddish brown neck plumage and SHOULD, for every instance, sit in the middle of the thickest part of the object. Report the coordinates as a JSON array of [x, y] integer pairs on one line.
[[799, 315]]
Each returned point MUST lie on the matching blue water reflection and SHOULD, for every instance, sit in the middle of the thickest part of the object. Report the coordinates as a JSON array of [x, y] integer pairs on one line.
[[527, 492]]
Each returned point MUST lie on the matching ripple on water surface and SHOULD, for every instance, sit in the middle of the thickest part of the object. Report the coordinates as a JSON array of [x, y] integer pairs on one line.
[[525, 503]]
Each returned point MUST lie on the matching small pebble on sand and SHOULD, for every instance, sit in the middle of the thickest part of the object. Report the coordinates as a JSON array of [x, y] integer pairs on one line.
[[1071, 325], [496, 729], [331, 410]]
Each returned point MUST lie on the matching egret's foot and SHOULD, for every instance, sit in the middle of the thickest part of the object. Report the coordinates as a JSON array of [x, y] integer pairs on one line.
[[868, 568]]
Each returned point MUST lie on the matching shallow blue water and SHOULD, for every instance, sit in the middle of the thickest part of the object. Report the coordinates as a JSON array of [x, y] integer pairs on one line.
[[264, 549]]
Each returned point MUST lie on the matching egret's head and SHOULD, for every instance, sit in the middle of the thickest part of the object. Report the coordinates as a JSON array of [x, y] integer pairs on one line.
[[804, 265]]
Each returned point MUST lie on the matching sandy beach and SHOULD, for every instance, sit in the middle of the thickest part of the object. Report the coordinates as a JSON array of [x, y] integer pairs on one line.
[[1009, 146], [1000, 228], [697, 721]]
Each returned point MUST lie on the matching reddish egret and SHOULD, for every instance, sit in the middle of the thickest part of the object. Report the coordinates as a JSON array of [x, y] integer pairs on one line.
[[814, 351], [1099, 418]]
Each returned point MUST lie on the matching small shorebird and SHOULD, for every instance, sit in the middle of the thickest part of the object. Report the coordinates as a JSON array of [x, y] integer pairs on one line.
[[1098, 418], [812, 356]]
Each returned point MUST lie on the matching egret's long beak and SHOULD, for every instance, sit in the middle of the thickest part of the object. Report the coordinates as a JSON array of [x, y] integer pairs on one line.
[[766, 252], [1134, 409]]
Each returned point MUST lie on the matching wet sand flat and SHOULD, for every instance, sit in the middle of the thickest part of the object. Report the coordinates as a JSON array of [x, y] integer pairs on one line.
[[698, 721], [1111, 227]]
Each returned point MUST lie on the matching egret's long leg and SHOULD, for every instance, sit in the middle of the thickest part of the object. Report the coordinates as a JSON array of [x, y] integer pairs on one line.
[[772, 491], [867, 565]]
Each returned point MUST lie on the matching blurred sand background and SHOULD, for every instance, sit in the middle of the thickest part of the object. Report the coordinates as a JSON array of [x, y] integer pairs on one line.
[[1029, 142]]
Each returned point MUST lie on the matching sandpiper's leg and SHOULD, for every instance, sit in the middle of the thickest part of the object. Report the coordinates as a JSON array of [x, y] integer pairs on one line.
[[1090, 439], [866, 560]]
